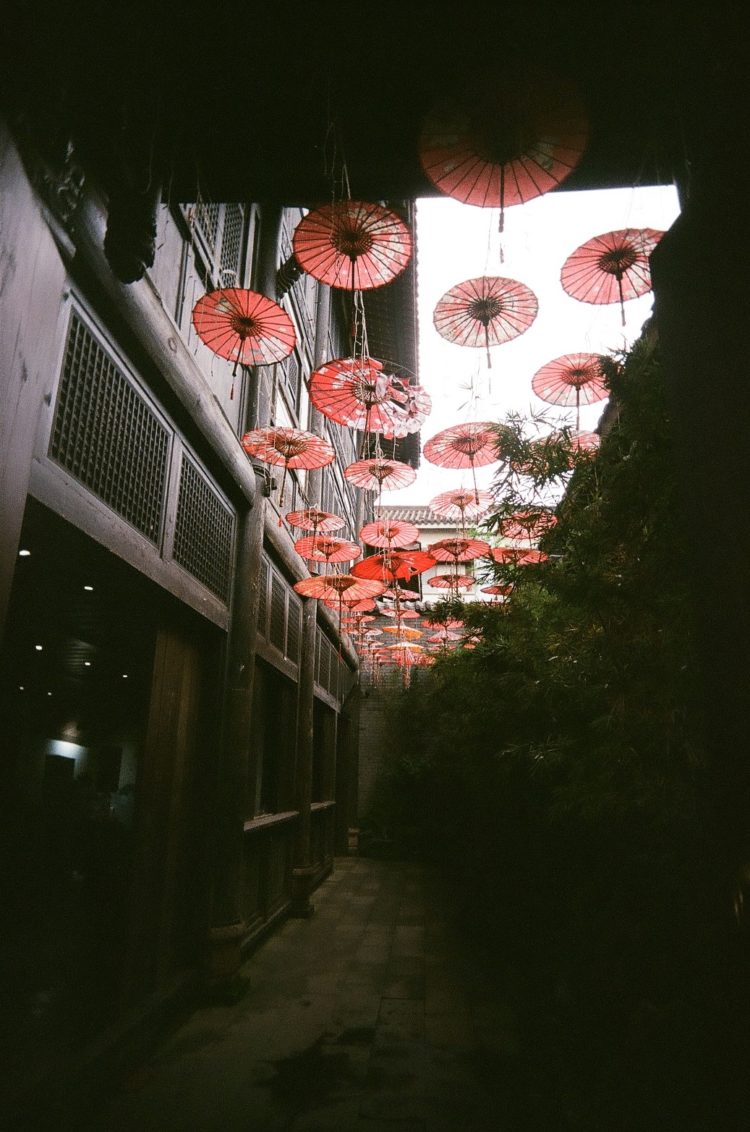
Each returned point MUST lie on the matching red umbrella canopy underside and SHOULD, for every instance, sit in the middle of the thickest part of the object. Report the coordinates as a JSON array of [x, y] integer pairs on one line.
[[486, 311], [459, 549], [518, 556], [389, 533], [244, 326], [326, 548], [378, 474], [353, 245], [597, 270], [463, 446], [312, 519], [392, 567], [527, 524], [451, 581], [336, 588], [461, 503], [507, 140], [290, 446], [572, 379]]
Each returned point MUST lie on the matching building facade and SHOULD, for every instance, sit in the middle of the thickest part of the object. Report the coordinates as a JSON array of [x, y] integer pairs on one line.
[[179, 726]]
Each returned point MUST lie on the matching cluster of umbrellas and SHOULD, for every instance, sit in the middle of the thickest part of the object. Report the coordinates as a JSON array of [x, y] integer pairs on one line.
[[493, 147]]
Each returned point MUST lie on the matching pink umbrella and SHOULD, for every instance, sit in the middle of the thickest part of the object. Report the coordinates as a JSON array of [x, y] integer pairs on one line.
[[389, 533]]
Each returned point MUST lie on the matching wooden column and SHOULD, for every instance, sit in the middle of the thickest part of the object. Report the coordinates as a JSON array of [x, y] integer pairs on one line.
[[303, 870], [233, 793]]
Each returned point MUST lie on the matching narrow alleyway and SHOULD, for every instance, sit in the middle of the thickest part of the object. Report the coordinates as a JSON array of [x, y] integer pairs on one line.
[[368, 1016]]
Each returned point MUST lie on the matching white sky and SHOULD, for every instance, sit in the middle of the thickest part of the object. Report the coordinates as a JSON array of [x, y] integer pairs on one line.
[[456, 242]]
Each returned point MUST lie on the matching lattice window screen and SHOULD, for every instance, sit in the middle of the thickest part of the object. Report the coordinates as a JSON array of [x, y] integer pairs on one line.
[[204, 531], [107, 436]]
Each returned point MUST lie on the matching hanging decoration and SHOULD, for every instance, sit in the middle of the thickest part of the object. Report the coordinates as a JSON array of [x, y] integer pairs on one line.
[[461, 504], [389, 533], [290, 447], [326, 548], [469, 445], [506, 140], [360, 394], [527, 524], [611, 268], [459, 549], [394, 566], [353, 245], [245, 327], [572, 379], [315, 520], [484, 312]]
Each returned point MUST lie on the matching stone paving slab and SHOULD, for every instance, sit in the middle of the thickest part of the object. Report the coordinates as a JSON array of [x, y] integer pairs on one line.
[[365, 1018]]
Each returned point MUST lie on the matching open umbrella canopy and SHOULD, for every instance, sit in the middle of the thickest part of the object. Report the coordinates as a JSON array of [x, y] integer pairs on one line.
[[505, 141], [517, 555], [245, 327], [389, 533], [400, 614], [354, 245], [403, 632], [527, 524], [485, 312], [392, 567], [326, 548], [451, 581], [292, 447], [463, 446], [378, 474], [611, 268], [335, 587], [572, 379], [312, 519], [498, 589], [460, 504], [353, 392], [459, 549]]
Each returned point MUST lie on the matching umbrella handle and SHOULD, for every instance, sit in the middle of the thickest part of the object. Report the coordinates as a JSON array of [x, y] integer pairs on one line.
[[622, 301], [487, 344]]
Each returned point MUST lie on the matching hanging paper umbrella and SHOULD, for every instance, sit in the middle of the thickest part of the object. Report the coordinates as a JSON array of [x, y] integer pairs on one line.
[[319, 522], [326, 548], [470, 445], [527, 524], [611, 268], [573, 379], [398, 593], [378, 474], [352, 244], [352, 392], [485, 312], [389, 533], [507, 141], [402, 632], [291, 447], [451, 581], [401, 614], [459, 549], [244, 327], [498, 590], [409, 405], [392, 567], [459, 505], [517, 556]]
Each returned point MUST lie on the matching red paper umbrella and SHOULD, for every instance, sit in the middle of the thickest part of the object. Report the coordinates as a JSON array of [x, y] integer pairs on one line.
[[401, 614], [398, 593], [498, 590], [352, 244], [442, 638], [459, 549], [404, 633], [611, 268], [378, 474], [352, 392], [517, 555], [484, 312], [506, 143], [400, 566], [470, 445], [408, 408], [325, 548], [291, 447], [244, 326], [358, 605], [585, 441], [460, 504], [527, 524], [573, 379], [319, 522], [451, 581], [389, 533]]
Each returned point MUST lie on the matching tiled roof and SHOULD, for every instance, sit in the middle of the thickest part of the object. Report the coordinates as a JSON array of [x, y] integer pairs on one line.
[[417, 513]]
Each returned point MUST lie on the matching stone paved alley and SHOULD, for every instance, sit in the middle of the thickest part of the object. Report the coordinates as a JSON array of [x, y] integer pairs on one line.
[[369, 1016]]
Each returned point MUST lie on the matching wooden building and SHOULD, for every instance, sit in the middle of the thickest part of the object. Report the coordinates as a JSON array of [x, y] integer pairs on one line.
[[179, 727]]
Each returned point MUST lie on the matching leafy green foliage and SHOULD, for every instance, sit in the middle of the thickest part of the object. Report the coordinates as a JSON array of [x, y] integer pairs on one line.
[[555, 767]]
